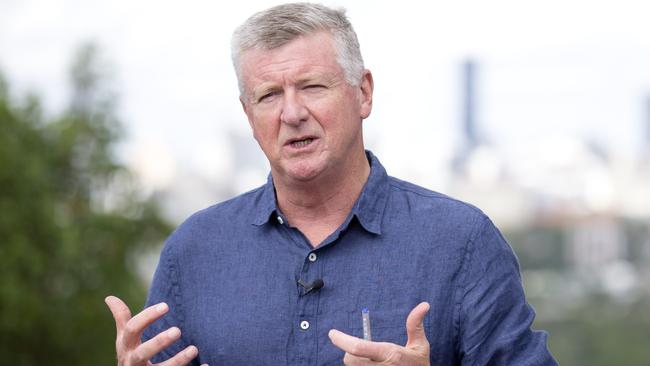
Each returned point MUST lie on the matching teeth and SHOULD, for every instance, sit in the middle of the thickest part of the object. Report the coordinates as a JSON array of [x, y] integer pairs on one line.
[[301, 143]]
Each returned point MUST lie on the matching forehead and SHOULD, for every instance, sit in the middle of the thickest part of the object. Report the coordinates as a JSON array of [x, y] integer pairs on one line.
[[312, 54]]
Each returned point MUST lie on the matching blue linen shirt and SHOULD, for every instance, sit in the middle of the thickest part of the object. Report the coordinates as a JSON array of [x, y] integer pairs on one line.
[[230, 273]]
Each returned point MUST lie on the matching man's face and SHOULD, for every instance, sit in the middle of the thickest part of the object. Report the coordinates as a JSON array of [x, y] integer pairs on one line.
[[304, 114]]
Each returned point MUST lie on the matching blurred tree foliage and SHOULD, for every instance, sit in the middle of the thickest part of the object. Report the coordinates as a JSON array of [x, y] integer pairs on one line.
[[71, 224], [590, 326], [602, 332]]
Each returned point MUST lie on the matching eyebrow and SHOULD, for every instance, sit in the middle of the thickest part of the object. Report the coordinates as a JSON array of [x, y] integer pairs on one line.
[[267, 87], [264, 89], [320, 78]]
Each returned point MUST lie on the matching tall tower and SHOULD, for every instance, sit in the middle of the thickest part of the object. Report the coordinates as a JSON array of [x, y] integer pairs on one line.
[[469, 138], [470, 134]]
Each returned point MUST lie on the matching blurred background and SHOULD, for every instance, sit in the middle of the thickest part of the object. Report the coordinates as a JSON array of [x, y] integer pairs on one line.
[[120, 118]]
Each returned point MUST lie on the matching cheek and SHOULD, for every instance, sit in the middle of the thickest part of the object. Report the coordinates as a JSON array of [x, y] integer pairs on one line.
[[258, 136], [265, 126], [261, 135], [331, 113], [266, 134]]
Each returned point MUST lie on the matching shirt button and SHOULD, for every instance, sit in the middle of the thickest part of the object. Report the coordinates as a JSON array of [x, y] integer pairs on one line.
[[312, 257], [304, 325], [280, 220]]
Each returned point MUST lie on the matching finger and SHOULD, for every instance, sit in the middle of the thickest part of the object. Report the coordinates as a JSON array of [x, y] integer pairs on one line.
[[182, 358], [120, 311], [350, 360], [375, 351], [415, 325], [136, 325], [156, 344]]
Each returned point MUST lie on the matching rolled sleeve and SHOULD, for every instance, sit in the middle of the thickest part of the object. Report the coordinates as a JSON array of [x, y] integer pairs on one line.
[[495, 319]]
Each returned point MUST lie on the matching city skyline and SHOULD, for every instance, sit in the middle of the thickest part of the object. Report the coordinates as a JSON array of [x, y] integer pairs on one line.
[[557, 77]]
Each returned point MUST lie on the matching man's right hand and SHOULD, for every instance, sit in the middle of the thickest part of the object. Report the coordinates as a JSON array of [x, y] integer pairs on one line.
[[130, 350]]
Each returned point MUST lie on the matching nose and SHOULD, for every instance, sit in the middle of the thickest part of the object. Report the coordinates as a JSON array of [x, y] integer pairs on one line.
[[294, 111]]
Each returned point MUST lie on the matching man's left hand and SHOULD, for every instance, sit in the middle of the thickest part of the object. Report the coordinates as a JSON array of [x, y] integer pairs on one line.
[[362, 352]]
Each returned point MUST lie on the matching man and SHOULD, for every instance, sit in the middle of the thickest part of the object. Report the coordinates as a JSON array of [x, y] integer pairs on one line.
[[280, 275]]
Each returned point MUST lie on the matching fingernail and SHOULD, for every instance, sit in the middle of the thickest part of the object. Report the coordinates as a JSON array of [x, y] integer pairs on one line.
[[191, 352], [173, 333], [161, 308]]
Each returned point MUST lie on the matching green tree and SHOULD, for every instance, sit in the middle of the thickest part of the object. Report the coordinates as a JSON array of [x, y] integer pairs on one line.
[[71, 223], [602, 332]]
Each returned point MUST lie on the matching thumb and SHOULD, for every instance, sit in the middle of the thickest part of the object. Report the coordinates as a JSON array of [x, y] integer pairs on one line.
[[415, 326]]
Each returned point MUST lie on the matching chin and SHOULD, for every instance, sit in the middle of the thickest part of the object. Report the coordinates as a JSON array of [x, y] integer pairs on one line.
[[303, 175], [303, 168], [303, 172]]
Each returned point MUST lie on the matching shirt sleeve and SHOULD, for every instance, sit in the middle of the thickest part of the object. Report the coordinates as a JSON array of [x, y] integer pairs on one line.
[[494, 317], [165, 287]]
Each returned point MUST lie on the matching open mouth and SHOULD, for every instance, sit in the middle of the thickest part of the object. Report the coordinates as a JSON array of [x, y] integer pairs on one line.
[[301, 143]]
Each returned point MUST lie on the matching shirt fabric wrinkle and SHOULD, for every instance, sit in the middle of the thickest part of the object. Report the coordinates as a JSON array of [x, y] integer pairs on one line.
[[400, 245], [460, 290]]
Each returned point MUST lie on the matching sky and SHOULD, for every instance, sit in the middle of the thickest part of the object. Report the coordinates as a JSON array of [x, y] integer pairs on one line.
[[546, 70]]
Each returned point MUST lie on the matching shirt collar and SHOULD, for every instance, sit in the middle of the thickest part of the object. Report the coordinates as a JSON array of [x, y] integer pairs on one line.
[[265, 204], [369, 208]]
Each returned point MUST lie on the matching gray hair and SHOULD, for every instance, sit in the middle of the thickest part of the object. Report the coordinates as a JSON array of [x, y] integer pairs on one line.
[[282, 24]]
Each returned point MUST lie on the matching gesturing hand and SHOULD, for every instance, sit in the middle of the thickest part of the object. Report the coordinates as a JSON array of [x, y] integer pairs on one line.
[[130, 350], [362, 352]]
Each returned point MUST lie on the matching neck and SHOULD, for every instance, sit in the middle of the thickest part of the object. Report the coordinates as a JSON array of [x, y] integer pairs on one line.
[[318, 207]]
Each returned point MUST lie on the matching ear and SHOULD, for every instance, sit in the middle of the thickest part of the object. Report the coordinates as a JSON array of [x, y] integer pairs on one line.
[[366, 87]]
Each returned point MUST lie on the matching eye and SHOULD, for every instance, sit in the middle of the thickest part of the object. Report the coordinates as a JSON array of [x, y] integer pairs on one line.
[[314, 86], [266, 97]]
